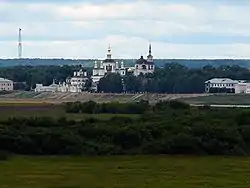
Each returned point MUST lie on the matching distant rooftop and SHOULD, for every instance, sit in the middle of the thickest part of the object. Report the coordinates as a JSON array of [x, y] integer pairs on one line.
[[222, 81], [5, 80]]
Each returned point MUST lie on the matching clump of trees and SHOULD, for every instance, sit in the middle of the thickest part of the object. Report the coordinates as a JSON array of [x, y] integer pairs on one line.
[[166, 128], [173, 78], [92, 107]]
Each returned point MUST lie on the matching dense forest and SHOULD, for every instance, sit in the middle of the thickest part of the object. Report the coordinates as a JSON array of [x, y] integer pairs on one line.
[[166, 128], [172, 78]]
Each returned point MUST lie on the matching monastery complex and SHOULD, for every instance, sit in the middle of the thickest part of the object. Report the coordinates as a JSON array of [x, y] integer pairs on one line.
[[77, 83]]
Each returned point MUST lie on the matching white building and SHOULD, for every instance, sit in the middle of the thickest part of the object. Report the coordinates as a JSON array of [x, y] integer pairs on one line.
[[6, 85], [227, 85], [74, 84], [145, 66], [77, 83], [109, 65], [242, 87], [51, 88]]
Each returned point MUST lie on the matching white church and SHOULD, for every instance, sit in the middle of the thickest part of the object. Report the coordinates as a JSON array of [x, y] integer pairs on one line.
[[109, 65], [77, 82]]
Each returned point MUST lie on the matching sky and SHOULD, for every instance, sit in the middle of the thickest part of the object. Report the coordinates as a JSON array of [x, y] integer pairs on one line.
[[83, 29]]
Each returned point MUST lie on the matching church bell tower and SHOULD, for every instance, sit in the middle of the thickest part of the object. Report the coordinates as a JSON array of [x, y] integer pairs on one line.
[[150, 57], [109, 55]]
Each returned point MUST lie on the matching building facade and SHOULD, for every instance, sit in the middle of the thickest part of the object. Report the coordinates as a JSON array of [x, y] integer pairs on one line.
[[242, 88], [6, 85], [109, 65], [226, 85], [51, 88], [74, 84], [145, 66]]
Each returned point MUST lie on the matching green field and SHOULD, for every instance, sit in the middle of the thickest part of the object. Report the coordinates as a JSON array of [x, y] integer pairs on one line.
[[114, 171], [8, 110], [125, 172], [230, 99]]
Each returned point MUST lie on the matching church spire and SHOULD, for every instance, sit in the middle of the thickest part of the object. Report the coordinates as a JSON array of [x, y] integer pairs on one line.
[[150, 50], [150, 57], [109, 55]]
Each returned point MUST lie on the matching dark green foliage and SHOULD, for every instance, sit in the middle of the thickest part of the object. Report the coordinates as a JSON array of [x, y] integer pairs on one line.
[[4, 155], [91, 107], [175, 104], [176, 78], [169, 127], [110, 83]]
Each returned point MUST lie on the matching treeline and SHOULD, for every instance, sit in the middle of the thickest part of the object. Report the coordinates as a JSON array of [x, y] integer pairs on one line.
[[173, 78], [128, 62], [169, 129], [26, 77]]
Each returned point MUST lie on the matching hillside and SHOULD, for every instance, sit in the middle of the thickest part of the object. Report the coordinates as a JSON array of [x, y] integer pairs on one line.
[[23, 96]]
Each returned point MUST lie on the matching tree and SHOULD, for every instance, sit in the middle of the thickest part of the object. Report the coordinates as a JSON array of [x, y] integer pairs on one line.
[[132, 83], [110, 83]]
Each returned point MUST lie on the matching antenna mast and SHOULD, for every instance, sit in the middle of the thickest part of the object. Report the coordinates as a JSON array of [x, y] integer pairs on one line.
[[20, 43]]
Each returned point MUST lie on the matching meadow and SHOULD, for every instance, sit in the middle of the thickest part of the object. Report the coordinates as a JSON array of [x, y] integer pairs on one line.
[[223, 99], [125, 172]]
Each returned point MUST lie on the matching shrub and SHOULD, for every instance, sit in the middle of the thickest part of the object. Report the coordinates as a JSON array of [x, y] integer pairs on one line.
[[176, 104], [4, 155]]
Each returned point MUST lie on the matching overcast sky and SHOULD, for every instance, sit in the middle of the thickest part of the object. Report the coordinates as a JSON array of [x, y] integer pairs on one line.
[[84, 28]]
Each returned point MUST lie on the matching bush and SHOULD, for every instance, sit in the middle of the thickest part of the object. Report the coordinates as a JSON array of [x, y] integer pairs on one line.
[[176, 104], [4, 155], [168, 130], [91, 107]]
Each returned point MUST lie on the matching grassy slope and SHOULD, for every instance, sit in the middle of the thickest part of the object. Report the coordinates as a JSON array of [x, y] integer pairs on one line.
[[8, 110], [29, 97], [233, 99], [124, 172]]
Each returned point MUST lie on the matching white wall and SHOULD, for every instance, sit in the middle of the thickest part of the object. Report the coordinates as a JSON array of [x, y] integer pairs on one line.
[[6, 86]]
